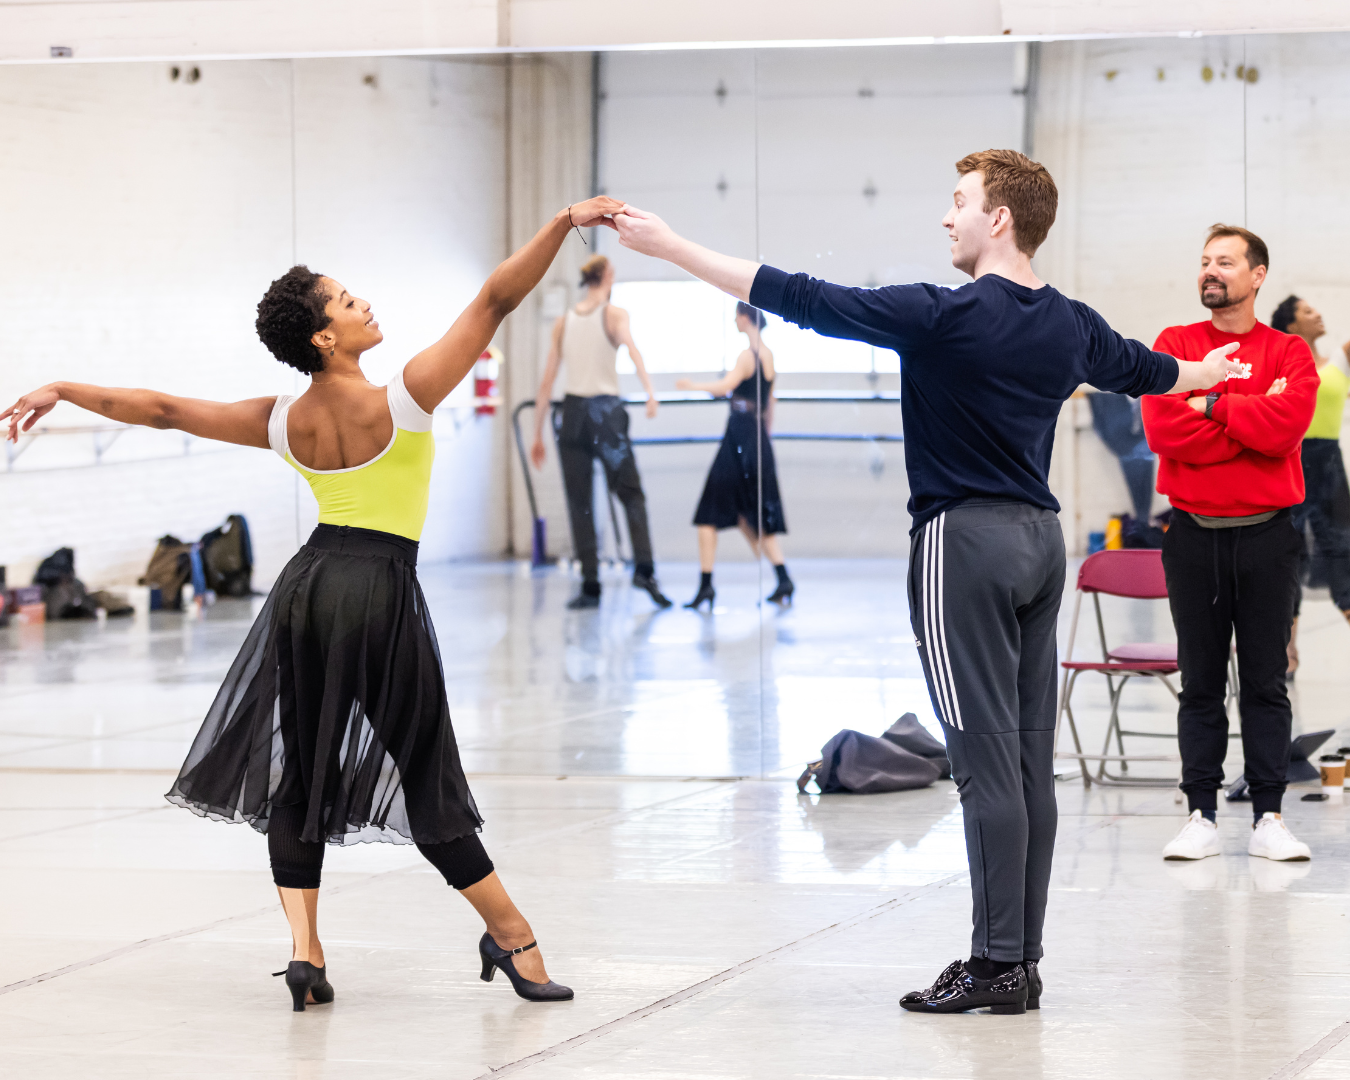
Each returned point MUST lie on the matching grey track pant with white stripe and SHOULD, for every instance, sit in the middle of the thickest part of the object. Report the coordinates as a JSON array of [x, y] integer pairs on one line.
[[985, 581]]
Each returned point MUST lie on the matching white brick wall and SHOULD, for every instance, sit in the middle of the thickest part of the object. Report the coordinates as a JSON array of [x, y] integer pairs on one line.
[[143, 218]]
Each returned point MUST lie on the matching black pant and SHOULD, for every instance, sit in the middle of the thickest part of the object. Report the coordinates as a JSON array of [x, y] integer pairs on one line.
[[298, 864], [1116, 420], [590, 428], [1221, 581], [1324, 508], [985, 581]]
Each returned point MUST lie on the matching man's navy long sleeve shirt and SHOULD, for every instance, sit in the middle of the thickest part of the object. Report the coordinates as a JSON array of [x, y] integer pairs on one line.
[[984, 368]]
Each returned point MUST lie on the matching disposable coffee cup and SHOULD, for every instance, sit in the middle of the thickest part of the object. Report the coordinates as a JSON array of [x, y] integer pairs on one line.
[[1333, 776], [1344, 751]]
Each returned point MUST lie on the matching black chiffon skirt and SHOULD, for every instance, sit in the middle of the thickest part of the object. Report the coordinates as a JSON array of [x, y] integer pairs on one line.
[[336, 702], [735, 485]]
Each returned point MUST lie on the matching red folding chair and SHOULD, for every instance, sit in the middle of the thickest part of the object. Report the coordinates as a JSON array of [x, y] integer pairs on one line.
[[1137, 574]]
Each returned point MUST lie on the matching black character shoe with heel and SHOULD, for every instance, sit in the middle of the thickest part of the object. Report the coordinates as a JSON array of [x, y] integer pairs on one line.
[[494, 957], [957, 990], [705, 592], [303, 979], [1033, 970], [783, 594], [584, 601], [648, 583]]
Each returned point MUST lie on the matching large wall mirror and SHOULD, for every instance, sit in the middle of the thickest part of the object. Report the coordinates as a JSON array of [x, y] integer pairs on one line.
[[833, 161]]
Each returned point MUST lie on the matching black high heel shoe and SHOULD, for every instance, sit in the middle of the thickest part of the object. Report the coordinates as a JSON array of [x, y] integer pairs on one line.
[[783, 594], [494, 957], [705, 592], [303, 979]]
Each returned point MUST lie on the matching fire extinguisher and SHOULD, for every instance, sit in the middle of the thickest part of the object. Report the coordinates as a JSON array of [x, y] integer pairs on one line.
[[485, 381]]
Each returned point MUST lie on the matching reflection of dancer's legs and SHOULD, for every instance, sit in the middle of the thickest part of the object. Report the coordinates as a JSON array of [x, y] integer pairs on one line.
[[736, 493], [1325, 487], [768, 547], [578, 476], [621, 473], [593, 428]]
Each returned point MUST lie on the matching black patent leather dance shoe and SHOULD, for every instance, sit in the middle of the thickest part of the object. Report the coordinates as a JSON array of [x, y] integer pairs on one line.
[[783, 594], [583, 602], [1033, 970], [304, 979], [957, 990], [494, 957], [647, 582], [705, 592]]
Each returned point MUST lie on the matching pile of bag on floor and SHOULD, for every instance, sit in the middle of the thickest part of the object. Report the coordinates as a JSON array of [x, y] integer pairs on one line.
[[905, 757], [56, 593], [219, 564]]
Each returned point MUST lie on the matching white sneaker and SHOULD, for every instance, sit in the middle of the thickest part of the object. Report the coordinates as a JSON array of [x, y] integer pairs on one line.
[[1271, 839], [1198, 839]]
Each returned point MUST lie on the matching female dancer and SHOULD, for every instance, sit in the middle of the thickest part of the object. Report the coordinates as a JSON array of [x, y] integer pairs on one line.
[[332, 725], [1326, 499], [738, 492]]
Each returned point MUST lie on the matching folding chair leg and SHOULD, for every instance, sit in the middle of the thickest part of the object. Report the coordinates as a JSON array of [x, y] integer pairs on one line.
[[1073, 729]]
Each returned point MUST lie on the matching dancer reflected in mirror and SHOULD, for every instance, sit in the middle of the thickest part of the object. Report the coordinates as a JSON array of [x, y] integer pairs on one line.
[[742, 486], [593, 425], [332, 726]]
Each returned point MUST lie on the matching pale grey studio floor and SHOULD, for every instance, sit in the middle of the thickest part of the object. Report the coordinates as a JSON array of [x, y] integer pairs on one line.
[[635, 769]]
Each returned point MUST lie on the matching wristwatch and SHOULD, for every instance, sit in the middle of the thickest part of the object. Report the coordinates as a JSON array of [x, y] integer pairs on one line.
[[1210, 399]]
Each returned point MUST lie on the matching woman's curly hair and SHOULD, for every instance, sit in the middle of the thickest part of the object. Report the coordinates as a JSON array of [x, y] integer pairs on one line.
[[1283, 317], [290, 313]]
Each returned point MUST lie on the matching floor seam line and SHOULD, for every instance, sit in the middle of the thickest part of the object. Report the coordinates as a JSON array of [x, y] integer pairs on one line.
[[146, 943], [1314, 1053], [85, 824], [679, 996]]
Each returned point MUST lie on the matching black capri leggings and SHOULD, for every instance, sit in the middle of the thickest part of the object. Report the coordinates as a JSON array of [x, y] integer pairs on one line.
[[298, 864]]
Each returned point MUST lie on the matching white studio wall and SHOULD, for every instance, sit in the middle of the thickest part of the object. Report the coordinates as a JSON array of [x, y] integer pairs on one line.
[[143, 216], [1152, 141], [838, 162]]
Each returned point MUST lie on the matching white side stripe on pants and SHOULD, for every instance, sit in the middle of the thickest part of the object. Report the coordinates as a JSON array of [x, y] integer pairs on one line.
[[935, 623]]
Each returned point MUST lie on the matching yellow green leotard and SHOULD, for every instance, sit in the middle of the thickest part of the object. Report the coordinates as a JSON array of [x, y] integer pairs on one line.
[[1331, 394], [390, 491]]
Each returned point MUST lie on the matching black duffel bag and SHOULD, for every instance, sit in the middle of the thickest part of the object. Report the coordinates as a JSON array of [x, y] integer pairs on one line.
[[905, 757]]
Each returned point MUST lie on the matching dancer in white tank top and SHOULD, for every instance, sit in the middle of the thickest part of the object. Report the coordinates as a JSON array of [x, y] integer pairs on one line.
[[593, 423]]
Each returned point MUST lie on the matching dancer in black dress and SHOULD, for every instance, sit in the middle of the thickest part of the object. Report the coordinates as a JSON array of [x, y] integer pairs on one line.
[[738, 492], [332, 726]]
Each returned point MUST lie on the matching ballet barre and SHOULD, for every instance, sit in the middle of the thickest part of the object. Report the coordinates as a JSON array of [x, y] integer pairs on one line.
[[104, 435], [695, 397]]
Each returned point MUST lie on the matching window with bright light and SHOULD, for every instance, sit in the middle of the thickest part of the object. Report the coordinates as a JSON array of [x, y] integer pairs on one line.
[[690, 326]]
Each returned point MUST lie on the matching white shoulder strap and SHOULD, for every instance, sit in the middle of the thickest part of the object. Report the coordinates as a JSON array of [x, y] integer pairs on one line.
[[407, 414], [276, 424]]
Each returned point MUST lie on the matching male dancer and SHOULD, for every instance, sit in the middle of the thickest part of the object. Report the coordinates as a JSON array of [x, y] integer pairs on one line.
[[594, 424], [1229, 463], [986, 369]]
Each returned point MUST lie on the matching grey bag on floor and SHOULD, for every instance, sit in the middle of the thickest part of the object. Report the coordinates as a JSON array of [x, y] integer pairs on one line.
[[904, 758]]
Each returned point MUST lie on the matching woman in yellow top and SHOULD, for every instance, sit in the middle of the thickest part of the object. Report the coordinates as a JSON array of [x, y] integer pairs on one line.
[[332, 726], [1326, 500]]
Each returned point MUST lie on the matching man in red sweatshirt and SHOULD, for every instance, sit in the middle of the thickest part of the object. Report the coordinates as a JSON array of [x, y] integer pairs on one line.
[[1228, 459]]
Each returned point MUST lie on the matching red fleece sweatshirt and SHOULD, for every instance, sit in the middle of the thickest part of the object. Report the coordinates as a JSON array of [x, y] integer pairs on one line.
[[1246, 459]]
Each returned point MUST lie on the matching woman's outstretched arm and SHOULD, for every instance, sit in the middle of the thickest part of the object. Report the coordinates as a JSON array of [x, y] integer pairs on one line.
[[241, 422], [743, 369], [434, 372]]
